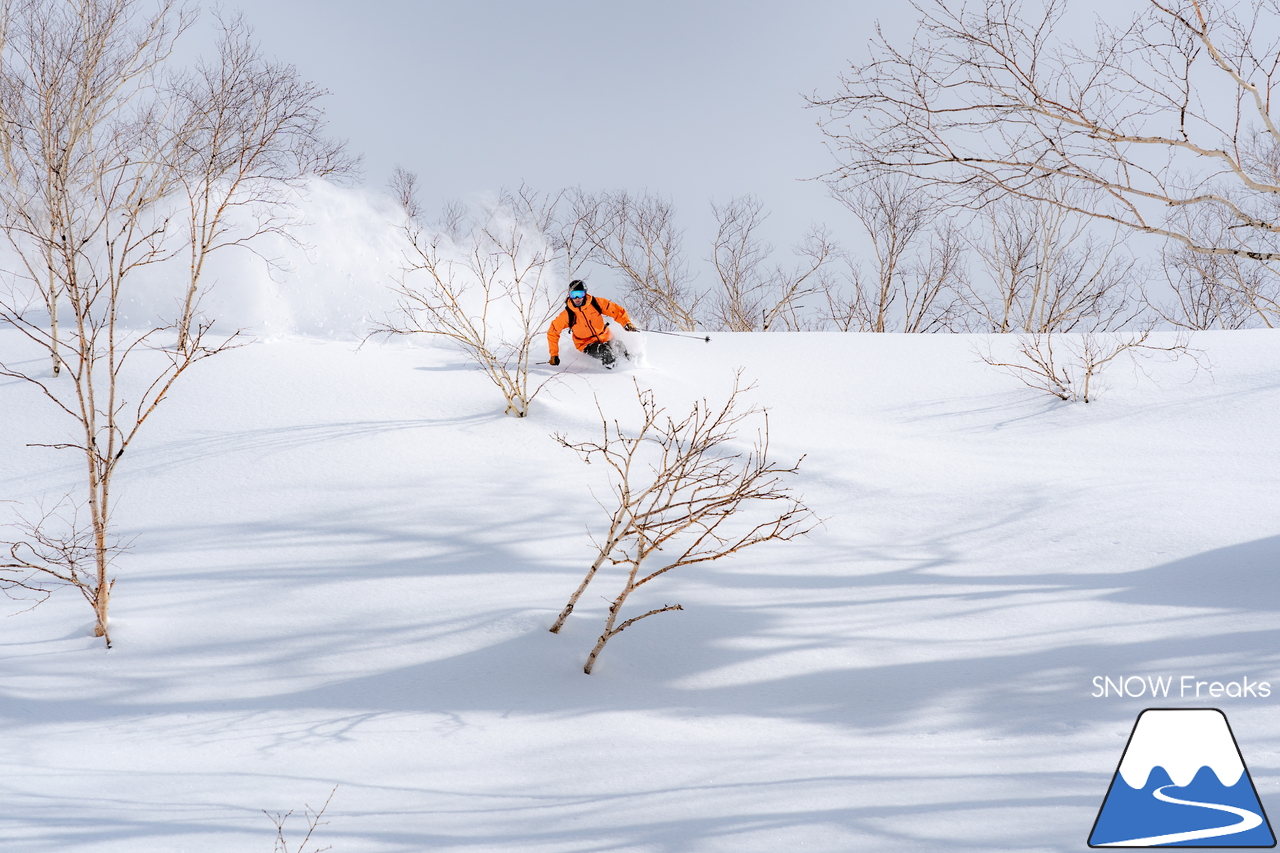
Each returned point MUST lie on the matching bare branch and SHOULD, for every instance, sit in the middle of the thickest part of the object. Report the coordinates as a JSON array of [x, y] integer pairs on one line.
[[1068, 366], [752, 296], [679, 486], [637, 237], [484, 285], [1169, 114], [313, 822]]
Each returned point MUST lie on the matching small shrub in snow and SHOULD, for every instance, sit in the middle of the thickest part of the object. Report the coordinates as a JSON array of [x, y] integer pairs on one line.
[[313, 821], [678, 485], [481, 283], [1068, 366]]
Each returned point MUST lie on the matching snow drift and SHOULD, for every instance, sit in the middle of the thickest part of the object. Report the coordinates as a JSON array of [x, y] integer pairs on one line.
[[345, 561]]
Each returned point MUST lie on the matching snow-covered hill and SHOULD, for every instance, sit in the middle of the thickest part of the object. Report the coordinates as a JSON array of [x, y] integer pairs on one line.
[[345, 561]]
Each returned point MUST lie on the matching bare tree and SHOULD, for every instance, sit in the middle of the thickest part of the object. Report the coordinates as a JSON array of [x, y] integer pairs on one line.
[[481, 282], [637, 238], [572, 223], [99, 151], [1047, 272], [403, 185], [752, 295], [246, 130], [1067, 366], [679, 485], [914, 287], [1168, 114], [844, 305], [1216, 292], [69, 74], [83, 190]]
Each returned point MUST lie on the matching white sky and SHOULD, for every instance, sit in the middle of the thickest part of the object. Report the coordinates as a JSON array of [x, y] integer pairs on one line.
[[695, 100]]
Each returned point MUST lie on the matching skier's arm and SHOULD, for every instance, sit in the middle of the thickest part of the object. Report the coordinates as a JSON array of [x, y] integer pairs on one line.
[[615, 311], [558, 325]]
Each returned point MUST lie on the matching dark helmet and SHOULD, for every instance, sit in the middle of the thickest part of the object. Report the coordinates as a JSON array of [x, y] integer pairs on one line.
[[577, 284]]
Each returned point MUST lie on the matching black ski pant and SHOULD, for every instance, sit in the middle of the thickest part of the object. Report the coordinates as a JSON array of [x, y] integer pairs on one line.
[[607, 352]]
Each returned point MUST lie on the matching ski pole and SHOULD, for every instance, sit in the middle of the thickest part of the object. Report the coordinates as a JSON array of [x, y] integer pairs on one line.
[[706, 338]]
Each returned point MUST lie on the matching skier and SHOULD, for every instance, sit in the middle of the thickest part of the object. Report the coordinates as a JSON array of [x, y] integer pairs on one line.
[[584, 316]]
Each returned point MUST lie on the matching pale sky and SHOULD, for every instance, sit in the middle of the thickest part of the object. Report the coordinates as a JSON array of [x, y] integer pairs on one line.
[[693, 100]]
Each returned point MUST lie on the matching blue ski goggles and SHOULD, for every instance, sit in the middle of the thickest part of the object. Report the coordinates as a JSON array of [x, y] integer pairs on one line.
[[578, 295]]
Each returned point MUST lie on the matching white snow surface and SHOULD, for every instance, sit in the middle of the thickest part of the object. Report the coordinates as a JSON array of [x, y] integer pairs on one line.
[[1181, 741], [345, 560]]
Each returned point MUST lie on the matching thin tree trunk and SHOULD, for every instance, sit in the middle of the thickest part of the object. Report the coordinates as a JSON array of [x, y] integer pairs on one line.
[[613, 618], [189, 304], [591, 573], [98, 512], [53, 325]]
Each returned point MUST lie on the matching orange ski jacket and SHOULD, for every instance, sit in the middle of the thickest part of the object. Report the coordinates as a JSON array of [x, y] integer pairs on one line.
[[586, 323]]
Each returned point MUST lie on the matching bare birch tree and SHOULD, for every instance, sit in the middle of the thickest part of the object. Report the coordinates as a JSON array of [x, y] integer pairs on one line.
[[101, 150], [247, 130], [1047, 272], [1155, 119], [751, 294], [918, 262], [84, 188], [482, 282], [680, 486], [637, 238], [1218, 291], [69, 73]]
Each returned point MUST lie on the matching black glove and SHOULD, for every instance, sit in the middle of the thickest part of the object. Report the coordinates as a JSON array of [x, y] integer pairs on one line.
[[631, 327], [555, 359]]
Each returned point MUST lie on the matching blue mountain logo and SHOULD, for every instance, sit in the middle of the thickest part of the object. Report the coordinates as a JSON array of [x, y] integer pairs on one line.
[[1181, 782]]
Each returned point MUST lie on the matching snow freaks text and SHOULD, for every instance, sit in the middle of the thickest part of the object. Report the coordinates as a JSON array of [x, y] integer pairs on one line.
[[1183, 687]]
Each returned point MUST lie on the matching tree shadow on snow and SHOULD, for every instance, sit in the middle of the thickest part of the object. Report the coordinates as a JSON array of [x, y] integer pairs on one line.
[[718, 660], [662, 663]]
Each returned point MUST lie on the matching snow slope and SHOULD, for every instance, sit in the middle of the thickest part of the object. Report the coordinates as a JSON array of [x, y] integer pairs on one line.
[[346, 560]]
